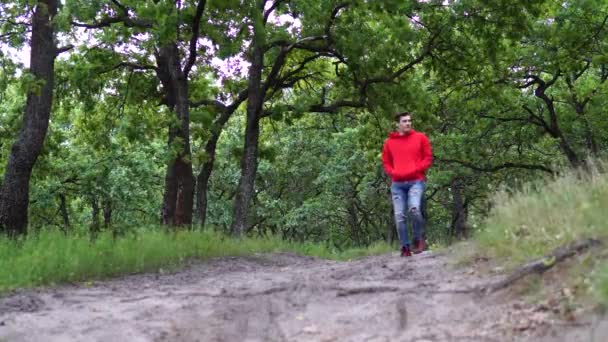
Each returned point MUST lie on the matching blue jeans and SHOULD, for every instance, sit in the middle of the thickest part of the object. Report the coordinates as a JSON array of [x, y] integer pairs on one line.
[[408, 194]]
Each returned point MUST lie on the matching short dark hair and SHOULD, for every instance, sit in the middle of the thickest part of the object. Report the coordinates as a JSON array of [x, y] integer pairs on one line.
[[399, 115]]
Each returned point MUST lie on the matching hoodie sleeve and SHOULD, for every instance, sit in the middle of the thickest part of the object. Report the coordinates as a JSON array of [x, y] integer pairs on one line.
[[387, 159], [427, 155]]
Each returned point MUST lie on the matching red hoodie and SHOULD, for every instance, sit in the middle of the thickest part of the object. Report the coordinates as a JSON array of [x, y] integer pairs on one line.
[[407, 157]]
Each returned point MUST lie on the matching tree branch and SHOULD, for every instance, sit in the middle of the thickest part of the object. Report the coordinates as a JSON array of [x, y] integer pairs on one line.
[[272, 8], [125, 18], [508, 119], [214, 103], [17, 23], [297, 44], [241, 97], [543, 264], [301, 66], [495, 168], [330, 108], [538, 120], [10, 34], [332, 18], [64, 48], [124, 9], [276, 67], [391, 77], [196, 22], [132, 66]]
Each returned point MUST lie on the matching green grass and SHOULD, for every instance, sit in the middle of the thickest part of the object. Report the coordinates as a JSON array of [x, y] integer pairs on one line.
[[600, 283], [50, 257], [532, 222]]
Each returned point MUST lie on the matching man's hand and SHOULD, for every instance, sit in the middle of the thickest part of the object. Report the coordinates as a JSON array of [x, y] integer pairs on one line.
[[409, 173]]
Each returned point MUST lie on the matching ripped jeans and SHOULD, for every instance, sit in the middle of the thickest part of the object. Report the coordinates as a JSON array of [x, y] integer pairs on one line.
[[408, 194]]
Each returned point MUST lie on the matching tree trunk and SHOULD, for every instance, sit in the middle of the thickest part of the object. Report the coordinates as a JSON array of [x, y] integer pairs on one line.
[[353, 222], [202, 180], [459, 212], [202, 185], [14, 194], [107, 212], [249, 161], [95, 226], [249, 164], [179, 179], [589, 136], [573, 158], [555, 131], [63, 208]]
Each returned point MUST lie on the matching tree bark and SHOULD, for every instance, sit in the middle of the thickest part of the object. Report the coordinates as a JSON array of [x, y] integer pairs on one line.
[[179, 179], [579, 107], [553, 126], [543, 264], [589, 136], [202, 184], [14, 193], [202, 180], [459, 210], [249, 161], [178, 196], [95, 226], [353, 222], [249, 164], [107, 212], [64, 212]]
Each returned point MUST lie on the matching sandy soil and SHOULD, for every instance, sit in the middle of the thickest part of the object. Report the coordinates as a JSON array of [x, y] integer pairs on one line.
[[284, 297]]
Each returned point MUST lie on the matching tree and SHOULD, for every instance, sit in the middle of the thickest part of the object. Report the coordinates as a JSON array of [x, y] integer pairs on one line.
[[14, 193], [172, 31]]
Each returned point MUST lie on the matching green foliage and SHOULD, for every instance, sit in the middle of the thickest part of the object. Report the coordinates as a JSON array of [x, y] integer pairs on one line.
[[11, 34], [600, 287], [12, 105], [30, 84]]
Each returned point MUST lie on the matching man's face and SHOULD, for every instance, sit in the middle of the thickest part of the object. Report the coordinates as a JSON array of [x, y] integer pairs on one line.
[[405, 124]]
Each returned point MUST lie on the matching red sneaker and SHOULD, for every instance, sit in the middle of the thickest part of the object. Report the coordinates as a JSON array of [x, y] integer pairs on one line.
[[405, 251], [419, 246]]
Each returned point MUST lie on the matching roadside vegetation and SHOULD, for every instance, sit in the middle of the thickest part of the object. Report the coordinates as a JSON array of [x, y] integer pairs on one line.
[[50, 256], [528, 224]]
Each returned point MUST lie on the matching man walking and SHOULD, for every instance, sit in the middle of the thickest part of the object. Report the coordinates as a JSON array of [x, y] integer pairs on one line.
[[406, 157]]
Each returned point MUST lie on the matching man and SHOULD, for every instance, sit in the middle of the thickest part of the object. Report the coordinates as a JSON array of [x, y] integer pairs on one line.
[[406, 156]]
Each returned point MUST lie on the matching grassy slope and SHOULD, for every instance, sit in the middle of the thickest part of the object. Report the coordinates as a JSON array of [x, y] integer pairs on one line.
[[531, 223]]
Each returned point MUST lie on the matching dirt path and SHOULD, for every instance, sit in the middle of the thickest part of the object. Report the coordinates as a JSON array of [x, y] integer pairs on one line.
[[283, 297]]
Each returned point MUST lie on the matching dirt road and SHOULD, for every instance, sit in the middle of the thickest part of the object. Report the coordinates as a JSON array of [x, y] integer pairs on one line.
[[284, 297]]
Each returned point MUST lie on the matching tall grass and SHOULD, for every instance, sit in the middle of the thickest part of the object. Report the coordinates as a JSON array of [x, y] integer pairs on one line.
[[530, 223], [50, 257]]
